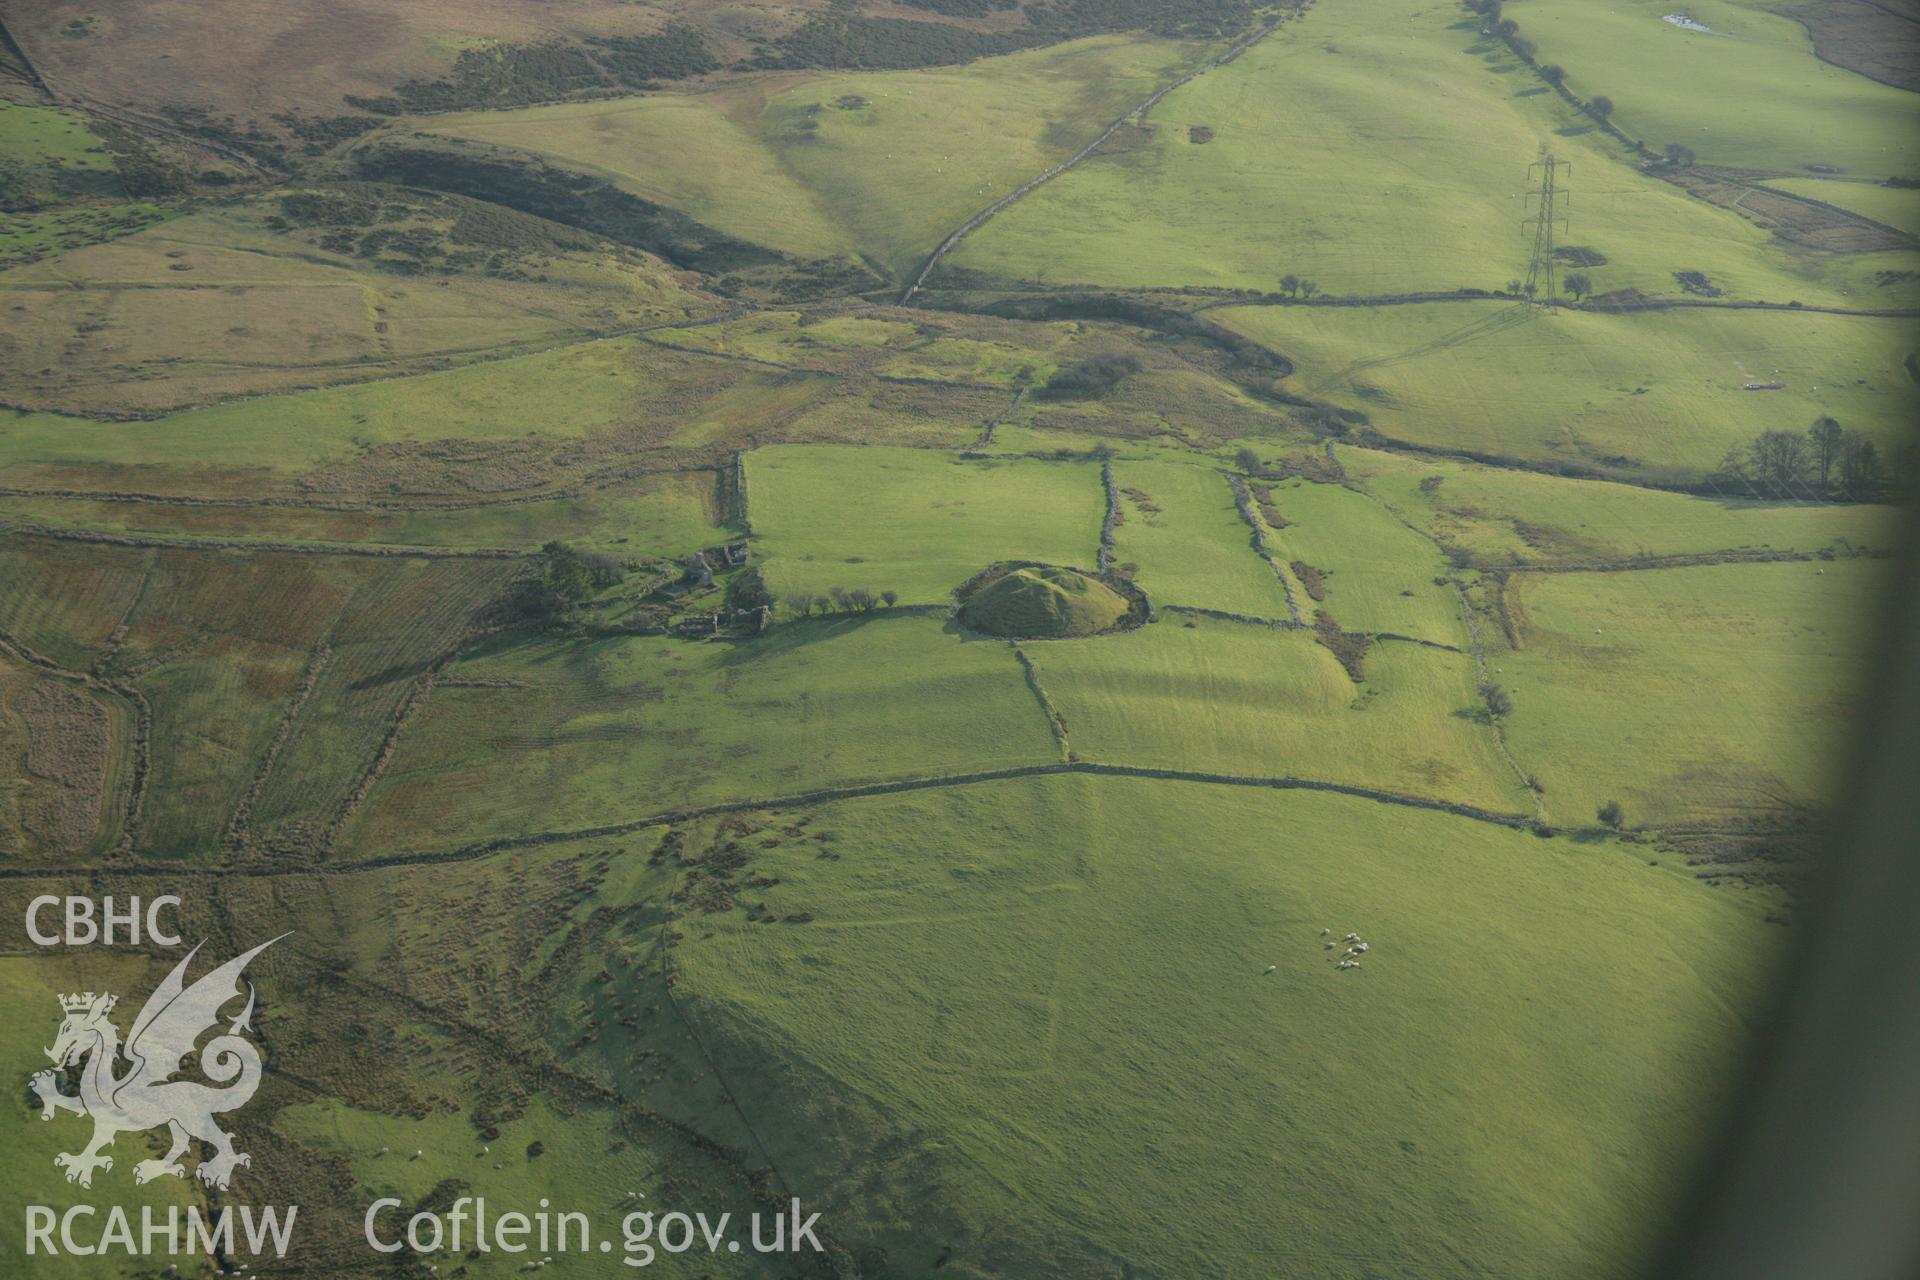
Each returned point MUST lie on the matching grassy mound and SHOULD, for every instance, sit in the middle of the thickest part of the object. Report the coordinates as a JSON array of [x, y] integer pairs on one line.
[[1044, 602]]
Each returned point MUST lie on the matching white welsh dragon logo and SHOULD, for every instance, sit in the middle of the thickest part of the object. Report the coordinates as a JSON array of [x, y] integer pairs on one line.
[[145, 1097]]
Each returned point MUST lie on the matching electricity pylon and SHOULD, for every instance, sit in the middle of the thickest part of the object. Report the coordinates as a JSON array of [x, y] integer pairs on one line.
[[1541, 277]]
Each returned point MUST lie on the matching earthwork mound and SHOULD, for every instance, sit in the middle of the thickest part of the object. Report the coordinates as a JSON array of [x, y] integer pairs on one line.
[[1030, 601]]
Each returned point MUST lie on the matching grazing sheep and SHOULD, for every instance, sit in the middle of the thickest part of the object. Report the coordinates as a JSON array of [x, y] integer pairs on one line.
[[1270, 968]]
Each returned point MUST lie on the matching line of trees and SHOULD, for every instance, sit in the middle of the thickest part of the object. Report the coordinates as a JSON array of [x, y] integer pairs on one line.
[[805, 604], [1295, 287], [1826, 460], [1600, 107]]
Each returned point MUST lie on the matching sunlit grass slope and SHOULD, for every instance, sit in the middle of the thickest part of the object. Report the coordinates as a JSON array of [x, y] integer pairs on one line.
[[1040, 1009], [583, 736], [1503, 516], [1689, 694], [1380, 148], [1749, 92], [1658, 392]]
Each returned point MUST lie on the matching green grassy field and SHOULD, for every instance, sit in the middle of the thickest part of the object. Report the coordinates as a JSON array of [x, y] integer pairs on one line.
[[910, 520], [700, 153], [1688, 694], [1051, 953], [1328, 160], [1379, 575], [1192, 547], [1229, 698], [880, 164], [1697, 88], [1503, 516], [617, 729], [1657, 393], [927, 149]]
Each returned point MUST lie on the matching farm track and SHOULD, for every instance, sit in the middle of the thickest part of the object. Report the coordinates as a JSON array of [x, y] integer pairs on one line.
[[1140, 109], [827, 795]]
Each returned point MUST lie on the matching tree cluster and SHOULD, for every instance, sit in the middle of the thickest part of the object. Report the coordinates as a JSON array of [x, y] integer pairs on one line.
[[1498, 701], [565, 578], [1826, 460], [840, 600]]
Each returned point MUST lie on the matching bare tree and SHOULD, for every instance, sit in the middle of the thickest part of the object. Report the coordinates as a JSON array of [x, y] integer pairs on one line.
[[1499, 701], [1826, 436], [1859, 461], [1780, 461]]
